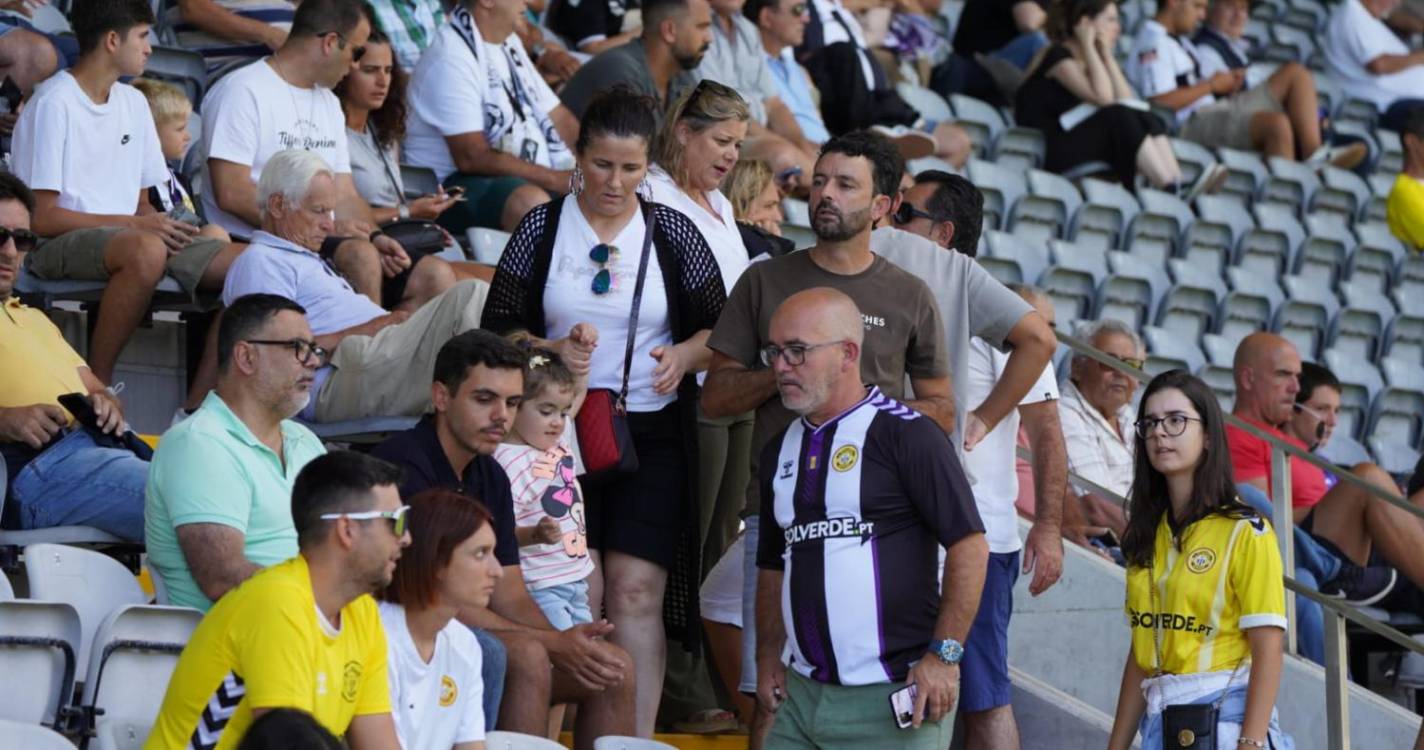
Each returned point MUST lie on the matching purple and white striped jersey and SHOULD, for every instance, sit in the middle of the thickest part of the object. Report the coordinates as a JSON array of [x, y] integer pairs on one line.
[[864, 503]]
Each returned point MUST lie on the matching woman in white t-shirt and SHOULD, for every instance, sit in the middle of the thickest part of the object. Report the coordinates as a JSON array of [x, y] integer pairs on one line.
[[576, 260], [698, 147], [436, 690]]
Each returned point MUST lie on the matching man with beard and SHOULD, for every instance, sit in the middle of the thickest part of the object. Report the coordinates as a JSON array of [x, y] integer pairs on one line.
[[304, 634], [676, 34], [856, 179], [478, 385], [218, 504], [865, 494]]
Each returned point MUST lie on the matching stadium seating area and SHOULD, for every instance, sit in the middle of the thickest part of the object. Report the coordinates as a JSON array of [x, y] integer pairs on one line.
[[1281, 247]]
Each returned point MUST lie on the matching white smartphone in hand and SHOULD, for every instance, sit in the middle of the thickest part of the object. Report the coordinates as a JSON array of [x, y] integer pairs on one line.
[[902, 704]]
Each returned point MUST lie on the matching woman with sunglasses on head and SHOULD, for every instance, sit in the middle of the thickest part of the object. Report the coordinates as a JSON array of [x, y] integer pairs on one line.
[[577, 260], [434, 661], [1205, 597]]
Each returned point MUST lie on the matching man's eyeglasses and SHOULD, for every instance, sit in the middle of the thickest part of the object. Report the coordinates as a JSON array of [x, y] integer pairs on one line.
[[1172, 424], [356, 54], [397, 517], [907, 213], [1133, 362], [794, 354], [305, 350], [25, 240]]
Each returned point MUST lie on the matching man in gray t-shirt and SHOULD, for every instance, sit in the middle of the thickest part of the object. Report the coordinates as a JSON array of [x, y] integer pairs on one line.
[[649, 65]]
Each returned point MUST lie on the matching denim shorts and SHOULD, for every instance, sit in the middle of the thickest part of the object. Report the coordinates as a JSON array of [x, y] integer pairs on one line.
[[566, 604], [984, 673]]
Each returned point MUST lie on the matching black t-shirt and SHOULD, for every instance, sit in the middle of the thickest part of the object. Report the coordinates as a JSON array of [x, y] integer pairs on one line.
[[987, 25], [579, 21], [418, 451]]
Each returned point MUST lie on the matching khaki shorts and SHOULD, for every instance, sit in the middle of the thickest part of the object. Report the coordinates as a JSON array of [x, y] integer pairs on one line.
[[79, 256], [1228, 122]]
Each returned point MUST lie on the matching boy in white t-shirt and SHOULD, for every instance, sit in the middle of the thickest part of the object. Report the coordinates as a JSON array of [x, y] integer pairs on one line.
[[87, 146], [433, 659], [549, 516], [1278, 117], [171, 109]]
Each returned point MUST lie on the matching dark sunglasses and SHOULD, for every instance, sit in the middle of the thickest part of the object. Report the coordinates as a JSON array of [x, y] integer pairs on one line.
[[25, 240], [798, 9], [601, 254], [907, 213]]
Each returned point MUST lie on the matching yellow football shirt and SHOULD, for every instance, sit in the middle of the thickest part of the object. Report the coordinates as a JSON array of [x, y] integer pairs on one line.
[[1223, 580], [266, 645], [1404, 210]]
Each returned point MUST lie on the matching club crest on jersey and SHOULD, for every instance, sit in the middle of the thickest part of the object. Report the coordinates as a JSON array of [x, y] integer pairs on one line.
[[845, 458], [785, 470], [350, 681], [448, 691], [1200, 560]]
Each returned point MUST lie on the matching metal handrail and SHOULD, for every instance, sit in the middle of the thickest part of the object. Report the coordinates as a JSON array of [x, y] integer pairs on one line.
[[1337, 704]]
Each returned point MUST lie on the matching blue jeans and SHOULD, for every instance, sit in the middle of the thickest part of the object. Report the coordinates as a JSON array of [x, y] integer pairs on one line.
[[1313, 565], [77, 483], [566, 605], [1232, 711], [492, 668], [749, 586]]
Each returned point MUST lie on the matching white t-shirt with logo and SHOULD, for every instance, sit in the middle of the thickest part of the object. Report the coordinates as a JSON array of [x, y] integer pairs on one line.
[[991, 464], [1353, 38], [252, 113], [437, 704], [499, 94], [98, 157], [1161, 63], [569, 300]]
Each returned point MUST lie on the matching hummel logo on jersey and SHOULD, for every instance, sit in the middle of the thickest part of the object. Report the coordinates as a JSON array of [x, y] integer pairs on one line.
[[834, 528], [786, 469], [217, 713], [124, 141]]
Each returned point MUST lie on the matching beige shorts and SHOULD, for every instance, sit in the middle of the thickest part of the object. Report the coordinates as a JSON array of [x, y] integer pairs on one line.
[[1228, 122], [79, 256]]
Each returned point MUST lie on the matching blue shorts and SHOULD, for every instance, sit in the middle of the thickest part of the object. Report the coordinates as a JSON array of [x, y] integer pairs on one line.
[[566, 604], [984, 673]]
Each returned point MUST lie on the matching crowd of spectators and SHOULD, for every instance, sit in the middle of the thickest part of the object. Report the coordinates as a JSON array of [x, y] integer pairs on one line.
[[785, 406]]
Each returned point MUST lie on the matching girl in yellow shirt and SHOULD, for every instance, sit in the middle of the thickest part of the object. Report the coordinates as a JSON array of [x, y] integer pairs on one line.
[[1205, 594]]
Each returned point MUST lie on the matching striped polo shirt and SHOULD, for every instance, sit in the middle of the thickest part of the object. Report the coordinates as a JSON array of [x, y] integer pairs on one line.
[[864, 503]]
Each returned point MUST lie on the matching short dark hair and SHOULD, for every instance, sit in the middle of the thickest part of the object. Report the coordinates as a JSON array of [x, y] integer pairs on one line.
[[657, 11], [1414, 124], [92, 19], [13, 188], [440, 520], [472, 348], [317, 17], [1063, 15], [338, 482], [752, 8], [245, 317], [288, 729], [1314, 376], [619, 112], [956, 200], [886, 163]]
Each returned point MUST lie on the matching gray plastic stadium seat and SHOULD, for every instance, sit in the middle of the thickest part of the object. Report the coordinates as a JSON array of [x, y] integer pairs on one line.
[[1002, 189], [1391, 161], [1343, 192], [1005, 270], [39, 648], [1130, 291], [91, 582], [1156, 232], [1191, 304], [1021, 144], [43, 294], [1246, 173], [929, 104], [1343, 450], [1361, 294], [1404, 338], [1290, 183], [1214, 238], [1032, 257], [1378, 255], [1250, 304], [1219, 349], [1375, 209], [29, 736], [1305, 14], [1358, 380], [1165, 344], [183, 68], [1399, 460], [1397, 409], [1222, 382], [1193, 158], [1107, 210], [1262, 251], [133, 656], [1047, 209], [924, 163], [796, 211], [1325, 254], [1357, 332], [980, 119], [1305, 315], [487, 245], [1273, 217], [1301, 41], [1072, 281]]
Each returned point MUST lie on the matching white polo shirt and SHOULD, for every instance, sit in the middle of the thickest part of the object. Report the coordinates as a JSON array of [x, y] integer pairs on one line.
[[1353, 38], [1161, 63], [435, 704]]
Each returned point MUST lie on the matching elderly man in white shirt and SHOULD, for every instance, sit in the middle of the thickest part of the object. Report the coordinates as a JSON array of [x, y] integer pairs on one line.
[[1096, 413], [1372, 61]]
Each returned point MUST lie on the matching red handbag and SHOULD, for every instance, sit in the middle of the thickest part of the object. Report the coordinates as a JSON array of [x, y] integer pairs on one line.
[[605, 442]]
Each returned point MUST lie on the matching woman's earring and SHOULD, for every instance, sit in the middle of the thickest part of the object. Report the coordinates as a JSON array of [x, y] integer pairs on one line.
[[645, 191], [576, 181]]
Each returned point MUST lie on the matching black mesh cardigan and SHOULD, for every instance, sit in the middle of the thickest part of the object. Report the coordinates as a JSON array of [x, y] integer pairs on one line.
[[695, 298]]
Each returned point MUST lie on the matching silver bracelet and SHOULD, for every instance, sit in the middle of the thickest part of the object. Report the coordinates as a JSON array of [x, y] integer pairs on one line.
[[1250, 742]]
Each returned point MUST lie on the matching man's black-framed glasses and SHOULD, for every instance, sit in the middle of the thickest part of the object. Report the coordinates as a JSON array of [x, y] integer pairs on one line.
[[305, 350], [794, 354]]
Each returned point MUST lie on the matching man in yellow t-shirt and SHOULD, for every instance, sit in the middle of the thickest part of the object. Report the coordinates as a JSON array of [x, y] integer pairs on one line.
[[1222, 580], [1405, 208], [303, 634], [56, 474]]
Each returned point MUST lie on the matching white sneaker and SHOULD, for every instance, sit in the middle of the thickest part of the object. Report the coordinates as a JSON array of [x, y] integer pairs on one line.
[[1210, 181], [1347, 156], [1411, 671], [913, 144]]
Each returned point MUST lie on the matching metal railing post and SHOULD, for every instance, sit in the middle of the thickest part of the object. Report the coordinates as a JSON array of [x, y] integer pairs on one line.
[[1284, 522], [1337, 682]]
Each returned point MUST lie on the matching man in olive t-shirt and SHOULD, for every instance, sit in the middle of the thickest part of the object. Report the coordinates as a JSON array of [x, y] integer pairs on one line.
[[855, 180]]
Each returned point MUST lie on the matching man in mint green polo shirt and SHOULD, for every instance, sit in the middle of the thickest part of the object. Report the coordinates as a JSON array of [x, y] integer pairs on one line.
[[218, 503]]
